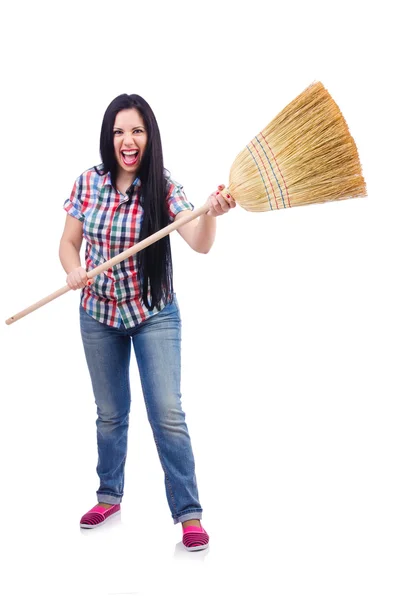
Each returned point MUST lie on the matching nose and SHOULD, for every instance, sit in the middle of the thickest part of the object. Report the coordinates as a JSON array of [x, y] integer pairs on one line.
[[129, 139]]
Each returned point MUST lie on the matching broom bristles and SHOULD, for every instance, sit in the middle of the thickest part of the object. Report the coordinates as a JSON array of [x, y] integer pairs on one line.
[[305, 155]]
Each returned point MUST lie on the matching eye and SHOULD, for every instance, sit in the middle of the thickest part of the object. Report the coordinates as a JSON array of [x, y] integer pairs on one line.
[[138, 130], [117, 131]]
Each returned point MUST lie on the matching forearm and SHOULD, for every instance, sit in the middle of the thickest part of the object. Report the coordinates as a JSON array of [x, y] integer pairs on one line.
[[69, 255], [204, 234]]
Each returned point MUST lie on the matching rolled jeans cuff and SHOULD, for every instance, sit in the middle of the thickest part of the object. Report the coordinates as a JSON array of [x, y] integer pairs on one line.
[[188, 516], [108, 499]]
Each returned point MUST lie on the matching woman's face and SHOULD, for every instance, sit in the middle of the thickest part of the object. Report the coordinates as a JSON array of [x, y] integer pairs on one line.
[[130, 138]]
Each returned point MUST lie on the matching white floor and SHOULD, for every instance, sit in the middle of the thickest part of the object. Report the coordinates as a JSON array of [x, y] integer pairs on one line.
[[322, 553], [315, 525]]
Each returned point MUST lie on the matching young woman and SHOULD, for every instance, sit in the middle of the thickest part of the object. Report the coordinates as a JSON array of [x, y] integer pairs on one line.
[[113, 206]]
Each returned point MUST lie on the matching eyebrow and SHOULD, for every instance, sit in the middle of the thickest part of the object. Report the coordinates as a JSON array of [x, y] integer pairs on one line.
[[135, 127]]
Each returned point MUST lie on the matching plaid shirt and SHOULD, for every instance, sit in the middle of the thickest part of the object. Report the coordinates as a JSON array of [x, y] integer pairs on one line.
[[111, 224]]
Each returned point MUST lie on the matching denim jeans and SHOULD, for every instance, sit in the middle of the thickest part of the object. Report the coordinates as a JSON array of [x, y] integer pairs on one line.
[[157, 347]]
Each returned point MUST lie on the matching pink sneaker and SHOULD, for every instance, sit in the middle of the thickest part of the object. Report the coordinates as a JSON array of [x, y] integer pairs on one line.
[[98, 515], [195, 538]]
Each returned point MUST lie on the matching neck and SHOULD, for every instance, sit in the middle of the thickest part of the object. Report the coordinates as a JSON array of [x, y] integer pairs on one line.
[[124, 180]]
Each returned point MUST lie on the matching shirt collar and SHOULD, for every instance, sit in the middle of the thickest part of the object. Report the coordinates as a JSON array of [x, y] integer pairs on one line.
[[108, 181]]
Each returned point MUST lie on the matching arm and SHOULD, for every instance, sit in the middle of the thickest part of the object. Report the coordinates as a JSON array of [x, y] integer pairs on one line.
[[200, 233], [70, 244], [69, 253]]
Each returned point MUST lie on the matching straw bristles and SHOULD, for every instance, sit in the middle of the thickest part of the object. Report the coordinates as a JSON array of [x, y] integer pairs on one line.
[[305, 155]]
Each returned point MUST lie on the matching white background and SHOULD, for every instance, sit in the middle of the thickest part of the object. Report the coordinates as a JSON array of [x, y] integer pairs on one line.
[[289, 323]]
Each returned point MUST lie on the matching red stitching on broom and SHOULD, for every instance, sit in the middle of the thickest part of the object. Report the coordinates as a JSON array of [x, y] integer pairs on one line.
[[279, 170], [264, 166]]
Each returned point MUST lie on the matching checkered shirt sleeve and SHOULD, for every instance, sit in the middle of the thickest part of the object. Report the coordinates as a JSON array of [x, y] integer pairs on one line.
[[177, 200], [73, 205]]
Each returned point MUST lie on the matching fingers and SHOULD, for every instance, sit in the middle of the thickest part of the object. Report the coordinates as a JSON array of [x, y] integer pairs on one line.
[[231, 201], [219, 204], [72, 282], [77, 278]]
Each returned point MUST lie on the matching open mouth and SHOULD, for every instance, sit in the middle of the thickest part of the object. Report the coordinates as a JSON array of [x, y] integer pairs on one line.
[[129, 157]]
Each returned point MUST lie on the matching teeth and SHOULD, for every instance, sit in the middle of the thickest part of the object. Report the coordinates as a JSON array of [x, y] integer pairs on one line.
[[130, 152]]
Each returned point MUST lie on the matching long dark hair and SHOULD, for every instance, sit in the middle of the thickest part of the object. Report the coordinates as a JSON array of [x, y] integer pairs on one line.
[[155, 261]]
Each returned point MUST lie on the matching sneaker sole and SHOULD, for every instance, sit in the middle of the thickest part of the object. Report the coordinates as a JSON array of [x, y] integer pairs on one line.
[[86, 526], [196, 548]]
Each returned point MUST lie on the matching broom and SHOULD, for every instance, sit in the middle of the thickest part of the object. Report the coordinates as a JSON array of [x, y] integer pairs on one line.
[[305, 155]]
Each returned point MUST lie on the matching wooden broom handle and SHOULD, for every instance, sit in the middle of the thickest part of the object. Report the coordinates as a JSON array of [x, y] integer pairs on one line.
[[190, 216]]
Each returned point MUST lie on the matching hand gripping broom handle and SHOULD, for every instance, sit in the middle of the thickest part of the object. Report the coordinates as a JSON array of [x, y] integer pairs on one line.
[[190, 216]]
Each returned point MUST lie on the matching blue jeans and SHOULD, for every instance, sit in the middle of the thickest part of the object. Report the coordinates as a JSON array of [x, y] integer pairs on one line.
[[157, 346]]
